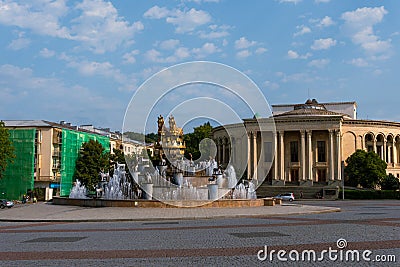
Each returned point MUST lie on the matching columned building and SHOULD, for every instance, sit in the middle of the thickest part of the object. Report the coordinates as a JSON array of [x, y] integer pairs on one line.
[[309, 144]]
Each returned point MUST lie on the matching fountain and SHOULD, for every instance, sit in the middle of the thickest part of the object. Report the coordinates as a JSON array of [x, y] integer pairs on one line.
[[181, 183], [78, 191]]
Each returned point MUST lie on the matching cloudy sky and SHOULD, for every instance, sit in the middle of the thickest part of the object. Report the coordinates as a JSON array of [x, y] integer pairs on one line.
[[81, 61]]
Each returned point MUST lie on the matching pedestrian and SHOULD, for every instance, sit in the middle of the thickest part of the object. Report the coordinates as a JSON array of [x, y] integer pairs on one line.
[[301, 194]]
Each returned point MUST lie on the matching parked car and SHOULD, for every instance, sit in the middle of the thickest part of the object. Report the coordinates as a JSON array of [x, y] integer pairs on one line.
[[6, 203], [286, 196]]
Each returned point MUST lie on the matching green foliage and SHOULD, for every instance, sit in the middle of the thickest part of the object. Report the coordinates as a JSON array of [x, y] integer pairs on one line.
[[364, 168], [389, 182], [194, 144], [91, 161], [6, 149], [369, 194], [148, 138]]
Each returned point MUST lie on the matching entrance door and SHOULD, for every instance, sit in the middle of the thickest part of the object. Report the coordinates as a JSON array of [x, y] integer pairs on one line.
[[321, 175], [294, 175]]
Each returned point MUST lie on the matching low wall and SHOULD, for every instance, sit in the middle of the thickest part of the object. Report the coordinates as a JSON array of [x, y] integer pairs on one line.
[[142, 203]]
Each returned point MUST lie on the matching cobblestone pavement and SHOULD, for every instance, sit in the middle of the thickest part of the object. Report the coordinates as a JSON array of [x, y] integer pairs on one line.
[[361, 226]]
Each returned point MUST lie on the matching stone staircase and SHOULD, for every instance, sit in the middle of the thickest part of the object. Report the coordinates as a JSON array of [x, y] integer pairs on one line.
[[309, 192]]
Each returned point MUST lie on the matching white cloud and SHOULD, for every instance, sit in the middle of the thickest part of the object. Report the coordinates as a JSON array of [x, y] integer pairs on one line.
[[243, 43], [169, 44], [301, 30], [260, 50], [129, 58], [47, 53], [319, 63], [290, 1], [205, 50], [359, 25], [202, 1], [215, 32], [100, 28], [156, 12], [225, 42], [42, 17], [326, 22], [243, 54], [359, 62], [19, 43], [322, 1], [323, 44], [29, 89], [187, 21], [271, 85], [156, 56], [183, 20], [294, 55], [182, 53]]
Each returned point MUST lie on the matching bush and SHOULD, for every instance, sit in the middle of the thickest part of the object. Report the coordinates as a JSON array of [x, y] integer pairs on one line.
[[369, 194], [389, 182]]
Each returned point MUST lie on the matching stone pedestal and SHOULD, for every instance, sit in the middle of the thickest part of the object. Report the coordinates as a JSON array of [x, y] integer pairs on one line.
[[148, 190], [278, 183], [334, 183], [220, 180], [212, 191], [306, 183]]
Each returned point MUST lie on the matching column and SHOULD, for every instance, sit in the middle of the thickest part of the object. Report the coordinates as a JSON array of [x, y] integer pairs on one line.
[[310, 156], [394, 153], [223, 152], [331, 170], [275, 155], [233, 151], [362, 143], [282, 157], [303, 155], [389, 158], [374, 144], [255, 161], [248, 156], [384, 150], [338, 151]]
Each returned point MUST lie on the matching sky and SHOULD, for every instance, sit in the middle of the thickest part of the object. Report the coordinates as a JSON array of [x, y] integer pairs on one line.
[[82, 61]]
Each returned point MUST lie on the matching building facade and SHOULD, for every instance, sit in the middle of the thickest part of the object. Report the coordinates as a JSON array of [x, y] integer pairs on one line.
[[46, 153], [308, 143]]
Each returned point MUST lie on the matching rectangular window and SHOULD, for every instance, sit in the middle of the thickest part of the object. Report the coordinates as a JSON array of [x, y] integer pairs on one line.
[[321, 151], [294, 151], [268, 151]]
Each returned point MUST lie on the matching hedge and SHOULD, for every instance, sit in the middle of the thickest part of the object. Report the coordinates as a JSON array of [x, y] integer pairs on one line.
[[370, 194]]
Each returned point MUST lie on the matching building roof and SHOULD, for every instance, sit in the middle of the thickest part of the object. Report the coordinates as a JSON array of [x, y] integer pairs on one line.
[[310, 108], [326, 103], [26, 123]]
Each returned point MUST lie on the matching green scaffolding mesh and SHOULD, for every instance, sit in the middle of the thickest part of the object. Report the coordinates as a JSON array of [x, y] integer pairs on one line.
[[71, 144], [18, 177]]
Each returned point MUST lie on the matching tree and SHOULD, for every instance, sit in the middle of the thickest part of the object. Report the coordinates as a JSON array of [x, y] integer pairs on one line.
[[6, 149], [365, 168], [389, 182], [91, 161], [196, 143]]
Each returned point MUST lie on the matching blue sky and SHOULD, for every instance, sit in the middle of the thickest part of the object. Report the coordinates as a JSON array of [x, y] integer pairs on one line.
[[81, 61]]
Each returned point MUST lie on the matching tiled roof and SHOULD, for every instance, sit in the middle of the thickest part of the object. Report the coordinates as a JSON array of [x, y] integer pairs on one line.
[[309, 112]]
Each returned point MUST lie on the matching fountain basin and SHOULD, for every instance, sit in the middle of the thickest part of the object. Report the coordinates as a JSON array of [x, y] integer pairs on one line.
[[144, 203]]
